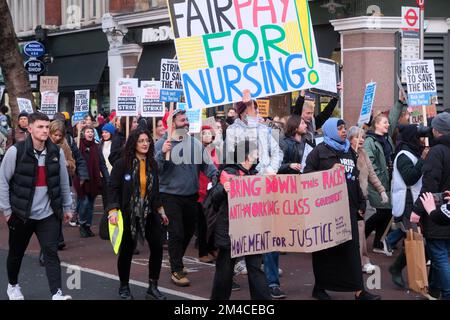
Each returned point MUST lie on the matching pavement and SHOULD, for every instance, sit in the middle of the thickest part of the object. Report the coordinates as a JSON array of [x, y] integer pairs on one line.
[[90, 272]]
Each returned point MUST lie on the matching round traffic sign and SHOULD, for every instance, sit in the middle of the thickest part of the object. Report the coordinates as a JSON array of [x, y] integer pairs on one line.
[[411, 17], [34, 66], [421, 3], [34, 49]]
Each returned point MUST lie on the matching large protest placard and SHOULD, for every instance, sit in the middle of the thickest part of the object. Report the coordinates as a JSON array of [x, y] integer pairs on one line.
[[127, 94], [416, 113], [150, 104], [288, 213], [49, 103], [225, 47], [81, 107], [25, 105], [48, 83], [421, 82], [367, 104], [171, 84], [194, 117]]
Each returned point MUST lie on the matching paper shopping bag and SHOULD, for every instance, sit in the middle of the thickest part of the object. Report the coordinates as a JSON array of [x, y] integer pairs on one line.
[[416, 262]]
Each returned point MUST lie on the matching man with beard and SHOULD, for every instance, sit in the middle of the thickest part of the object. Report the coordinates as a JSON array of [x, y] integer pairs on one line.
[[179, 185]]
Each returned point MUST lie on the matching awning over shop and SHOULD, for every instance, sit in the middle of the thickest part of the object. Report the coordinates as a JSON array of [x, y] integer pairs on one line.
[[327, 40], [150, 62], [79, 71]]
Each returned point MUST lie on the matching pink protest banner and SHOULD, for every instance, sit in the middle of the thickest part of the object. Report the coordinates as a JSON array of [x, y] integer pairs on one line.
[[288, 213]]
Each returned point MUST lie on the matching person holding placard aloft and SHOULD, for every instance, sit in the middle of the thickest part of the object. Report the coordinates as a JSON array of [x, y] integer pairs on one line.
[[339, 268]]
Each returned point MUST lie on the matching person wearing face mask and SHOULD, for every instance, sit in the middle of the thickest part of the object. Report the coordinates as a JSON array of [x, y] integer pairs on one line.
[[21, 133], [380, 149], [247, 127], [231, 116], [339, 268], [179, 185]]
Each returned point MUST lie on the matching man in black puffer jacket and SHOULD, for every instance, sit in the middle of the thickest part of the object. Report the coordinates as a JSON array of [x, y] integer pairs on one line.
[[436, 179]]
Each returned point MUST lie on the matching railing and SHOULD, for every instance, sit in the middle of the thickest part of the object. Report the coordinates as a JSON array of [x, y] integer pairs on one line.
[[27, 14]]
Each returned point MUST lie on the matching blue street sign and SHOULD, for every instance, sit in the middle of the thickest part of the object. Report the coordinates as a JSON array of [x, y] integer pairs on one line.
[[34, 66], [34, 49]]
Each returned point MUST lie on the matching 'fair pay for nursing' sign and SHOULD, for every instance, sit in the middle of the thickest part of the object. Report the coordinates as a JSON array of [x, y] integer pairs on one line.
[[421, 82], [224, 47]]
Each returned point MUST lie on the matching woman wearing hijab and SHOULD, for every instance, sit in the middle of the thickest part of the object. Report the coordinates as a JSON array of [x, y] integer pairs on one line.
[[134, 190], [339, 268]]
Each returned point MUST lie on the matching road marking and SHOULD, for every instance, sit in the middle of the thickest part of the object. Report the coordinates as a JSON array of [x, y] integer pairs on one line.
[[136, 283]]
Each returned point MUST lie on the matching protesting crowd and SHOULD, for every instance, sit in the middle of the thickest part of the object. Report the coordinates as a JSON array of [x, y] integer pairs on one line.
[[163, 184]]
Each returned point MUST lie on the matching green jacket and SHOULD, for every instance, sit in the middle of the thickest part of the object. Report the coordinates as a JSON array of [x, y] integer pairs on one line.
[[375, 152]]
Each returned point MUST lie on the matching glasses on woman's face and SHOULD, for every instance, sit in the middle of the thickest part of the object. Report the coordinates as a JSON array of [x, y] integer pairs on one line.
[[143, 141]]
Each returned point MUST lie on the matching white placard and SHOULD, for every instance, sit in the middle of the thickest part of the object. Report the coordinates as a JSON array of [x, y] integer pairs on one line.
[[421, 82], [127, 94], [25, 105], [49, 103], [150, 104]]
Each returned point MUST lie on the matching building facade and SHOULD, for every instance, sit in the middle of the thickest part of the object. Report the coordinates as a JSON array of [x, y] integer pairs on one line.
[[91, 44]]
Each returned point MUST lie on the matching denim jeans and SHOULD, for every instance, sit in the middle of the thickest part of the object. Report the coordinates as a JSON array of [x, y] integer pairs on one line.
[[439, 251], [86, 210], [271, 260], [394, 236]]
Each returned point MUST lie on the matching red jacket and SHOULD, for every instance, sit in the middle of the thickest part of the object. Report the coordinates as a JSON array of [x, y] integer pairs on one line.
[[203, 180]]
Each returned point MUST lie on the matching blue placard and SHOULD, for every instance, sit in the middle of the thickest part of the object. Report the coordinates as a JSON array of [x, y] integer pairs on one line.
[[167, 95], [366, 109], [34, 49], [78, 116]]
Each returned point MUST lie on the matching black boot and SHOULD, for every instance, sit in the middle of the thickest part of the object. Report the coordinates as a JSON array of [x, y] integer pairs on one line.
[[396, 270], [125, 293], [41, 258], [83, 231], [320, 294], [153, 293]]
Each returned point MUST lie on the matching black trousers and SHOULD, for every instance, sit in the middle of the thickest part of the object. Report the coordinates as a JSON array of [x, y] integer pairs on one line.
[[378, 222], [182, 214], [154, 234], [47, 232], [205, 246], [223, 278]]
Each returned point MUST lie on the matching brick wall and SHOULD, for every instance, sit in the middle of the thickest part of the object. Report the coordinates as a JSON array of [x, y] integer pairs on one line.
[[121, 6], [53, 12]]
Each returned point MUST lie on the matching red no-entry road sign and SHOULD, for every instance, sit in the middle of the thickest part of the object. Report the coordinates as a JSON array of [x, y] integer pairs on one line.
[[410, 18]]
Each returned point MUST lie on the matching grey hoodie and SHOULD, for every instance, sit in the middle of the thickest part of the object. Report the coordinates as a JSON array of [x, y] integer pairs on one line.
[[179, 175], [269, 152]]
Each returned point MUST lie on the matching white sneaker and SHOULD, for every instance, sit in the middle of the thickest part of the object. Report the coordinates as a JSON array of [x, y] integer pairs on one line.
[[386, 250], [59, 296], [369, 268], [240, 268], [14, 292]]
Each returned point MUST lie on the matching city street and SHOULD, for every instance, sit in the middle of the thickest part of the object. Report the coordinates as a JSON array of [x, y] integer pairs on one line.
[[99, 279]]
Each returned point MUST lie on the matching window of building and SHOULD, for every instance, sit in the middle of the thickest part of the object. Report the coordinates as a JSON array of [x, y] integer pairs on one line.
[[77, 12], [27, 14]]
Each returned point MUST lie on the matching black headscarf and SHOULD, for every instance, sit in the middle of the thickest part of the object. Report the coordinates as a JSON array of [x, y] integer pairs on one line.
[[409, 140]]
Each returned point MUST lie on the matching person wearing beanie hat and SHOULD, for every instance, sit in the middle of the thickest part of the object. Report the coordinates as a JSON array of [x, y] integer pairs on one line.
[[441, 123], [66, 115], [21, 133], [436, 179]]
